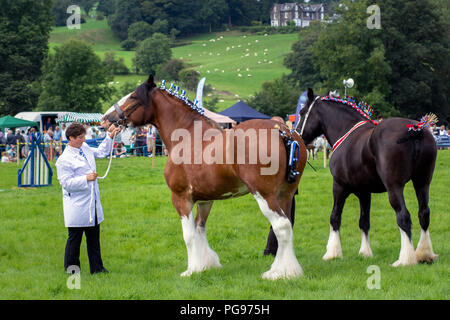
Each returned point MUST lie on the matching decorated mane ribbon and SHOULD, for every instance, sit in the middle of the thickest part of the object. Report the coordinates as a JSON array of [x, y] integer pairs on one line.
[[181, 94], [345, 136], [426, 121], [363, 108]]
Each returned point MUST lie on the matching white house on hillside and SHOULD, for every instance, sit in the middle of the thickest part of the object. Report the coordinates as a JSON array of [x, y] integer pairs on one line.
[[301, 14]]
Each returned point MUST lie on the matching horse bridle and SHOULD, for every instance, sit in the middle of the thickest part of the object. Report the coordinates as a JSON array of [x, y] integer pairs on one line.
[[306, 116], [122, 117]]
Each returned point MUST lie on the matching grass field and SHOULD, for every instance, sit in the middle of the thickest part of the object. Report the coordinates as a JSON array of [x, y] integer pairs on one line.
[[234, 64], [143, 247]]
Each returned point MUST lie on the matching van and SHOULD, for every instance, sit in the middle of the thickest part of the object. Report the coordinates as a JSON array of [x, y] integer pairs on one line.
[[41, 118]]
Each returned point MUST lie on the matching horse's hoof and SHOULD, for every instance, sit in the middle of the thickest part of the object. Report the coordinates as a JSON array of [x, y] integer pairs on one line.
[[331, 256], [426, 258], [366, 253], [400, 263], [283, 274], [187, 273]]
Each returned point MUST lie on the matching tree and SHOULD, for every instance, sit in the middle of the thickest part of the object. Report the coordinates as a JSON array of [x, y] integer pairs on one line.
[[152, 52], [114, 66], [126, 13], [416, 38], [106, 6], [213, 13], [277, 98], [24, 31], [305, 74], [347, 48], [139, 31], [170, 70], [74, 79]]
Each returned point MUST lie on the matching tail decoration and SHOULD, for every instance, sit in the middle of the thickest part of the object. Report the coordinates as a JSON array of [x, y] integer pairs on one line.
[[181, 94], [362, 107], [426, 121]]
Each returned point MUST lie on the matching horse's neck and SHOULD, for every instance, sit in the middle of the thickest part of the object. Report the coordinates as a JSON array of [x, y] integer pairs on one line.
[[172, 115], [337, 121]]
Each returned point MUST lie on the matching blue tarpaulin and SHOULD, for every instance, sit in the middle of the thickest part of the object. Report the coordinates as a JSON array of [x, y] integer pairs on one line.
[[241, 111]]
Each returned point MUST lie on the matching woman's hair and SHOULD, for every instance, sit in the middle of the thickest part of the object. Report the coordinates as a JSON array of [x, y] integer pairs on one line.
[[74, 130]]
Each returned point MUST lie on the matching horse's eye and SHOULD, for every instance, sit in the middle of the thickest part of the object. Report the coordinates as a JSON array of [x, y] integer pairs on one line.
[[132, 98]]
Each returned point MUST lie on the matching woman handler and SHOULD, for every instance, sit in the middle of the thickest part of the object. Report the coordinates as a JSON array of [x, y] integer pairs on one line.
[[83, 211]]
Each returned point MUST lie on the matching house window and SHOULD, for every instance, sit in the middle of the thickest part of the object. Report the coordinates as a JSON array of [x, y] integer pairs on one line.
[[286, 15]]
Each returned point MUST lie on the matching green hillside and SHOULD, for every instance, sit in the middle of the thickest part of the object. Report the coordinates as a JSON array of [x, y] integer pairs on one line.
[[234, 64]]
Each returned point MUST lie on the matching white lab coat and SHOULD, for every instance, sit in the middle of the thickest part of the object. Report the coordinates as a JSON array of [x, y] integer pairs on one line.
[[72, 169]]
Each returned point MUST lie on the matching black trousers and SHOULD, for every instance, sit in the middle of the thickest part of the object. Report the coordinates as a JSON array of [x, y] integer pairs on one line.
[[72, 253]]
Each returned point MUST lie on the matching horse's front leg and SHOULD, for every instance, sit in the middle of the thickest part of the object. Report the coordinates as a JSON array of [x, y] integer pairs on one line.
[[364, 224], [200, 255], [334, 249]]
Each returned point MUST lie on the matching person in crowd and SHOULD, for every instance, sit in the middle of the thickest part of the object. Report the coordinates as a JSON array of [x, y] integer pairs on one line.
[[63, 132], [48, 124], [5, 157], [141, 141], [2, 142], [57, 134], [380, 118], [83, 213], [10, 139], [443, 131], [21, 141], [120, 151], [48, 140], [151, 136], [89, 132]]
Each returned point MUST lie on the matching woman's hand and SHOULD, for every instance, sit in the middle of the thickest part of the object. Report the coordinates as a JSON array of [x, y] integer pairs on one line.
[[113, 130]]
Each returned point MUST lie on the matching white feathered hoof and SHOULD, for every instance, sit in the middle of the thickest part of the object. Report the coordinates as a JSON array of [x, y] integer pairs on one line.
[[424, 251], [407, 255], [334, 249], [288, 272]]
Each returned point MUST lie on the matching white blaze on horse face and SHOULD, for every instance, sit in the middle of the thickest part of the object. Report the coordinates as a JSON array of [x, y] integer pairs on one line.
[[120, 103], [285, 264], [334, 249], [200, 255]]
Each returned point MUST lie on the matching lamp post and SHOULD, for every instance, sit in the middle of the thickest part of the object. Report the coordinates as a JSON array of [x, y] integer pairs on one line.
[[349, 83]]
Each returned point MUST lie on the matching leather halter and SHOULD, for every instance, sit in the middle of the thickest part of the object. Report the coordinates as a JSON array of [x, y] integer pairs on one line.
[[123, 118]]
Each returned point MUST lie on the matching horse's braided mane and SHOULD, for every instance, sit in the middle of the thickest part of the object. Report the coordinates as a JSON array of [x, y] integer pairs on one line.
[[350, 104], [195, 114]]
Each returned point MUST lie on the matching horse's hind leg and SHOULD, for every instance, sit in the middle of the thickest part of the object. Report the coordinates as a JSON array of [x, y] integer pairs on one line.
[[285, 264], [424, 250], [272, 243], [364, 223], [407, 255], [200, 255]]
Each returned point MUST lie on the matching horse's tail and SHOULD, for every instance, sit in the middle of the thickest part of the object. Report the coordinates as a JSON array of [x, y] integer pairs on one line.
[[416, 132]]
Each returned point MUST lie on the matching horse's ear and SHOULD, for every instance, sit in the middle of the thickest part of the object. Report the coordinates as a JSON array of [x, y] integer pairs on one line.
[[310, 94], [151, 82]]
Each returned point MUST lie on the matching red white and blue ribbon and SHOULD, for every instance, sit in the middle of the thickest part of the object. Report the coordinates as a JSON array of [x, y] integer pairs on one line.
[[345, 136]]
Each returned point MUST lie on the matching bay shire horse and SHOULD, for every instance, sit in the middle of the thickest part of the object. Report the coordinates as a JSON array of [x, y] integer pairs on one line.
[[204, 179], [370, 158]]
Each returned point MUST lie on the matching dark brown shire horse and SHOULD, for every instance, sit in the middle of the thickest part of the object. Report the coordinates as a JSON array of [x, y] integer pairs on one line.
[[373, 159], [207, 163]]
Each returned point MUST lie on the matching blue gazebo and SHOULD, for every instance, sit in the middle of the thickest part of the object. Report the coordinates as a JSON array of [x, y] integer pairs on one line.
[[241, 111]]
